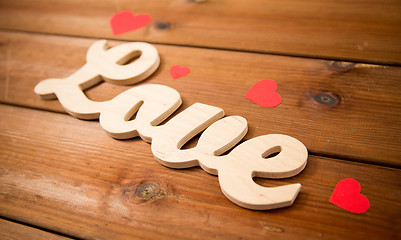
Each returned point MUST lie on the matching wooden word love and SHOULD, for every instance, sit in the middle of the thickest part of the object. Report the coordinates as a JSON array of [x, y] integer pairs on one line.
[[153, 103]]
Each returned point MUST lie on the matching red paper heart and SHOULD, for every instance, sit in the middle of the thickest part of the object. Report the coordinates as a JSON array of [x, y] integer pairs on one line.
[[126, 21], [264, 93], [347, 195], [177, 71]]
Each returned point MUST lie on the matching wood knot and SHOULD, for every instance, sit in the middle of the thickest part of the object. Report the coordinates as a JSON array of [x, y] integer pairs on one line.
[[163, 25], [325, 98], [146, 191]]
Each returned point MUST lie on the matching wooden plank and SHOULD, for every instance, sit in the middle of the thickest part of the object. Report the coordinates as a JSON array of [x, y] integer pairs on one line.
[[342, 109], [14, 231], [354, 30], [65, 174]]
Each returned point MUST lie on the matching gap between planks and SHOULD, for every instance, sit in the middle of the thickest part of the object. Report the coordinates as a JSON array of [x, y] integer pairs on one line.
[[33, 229]]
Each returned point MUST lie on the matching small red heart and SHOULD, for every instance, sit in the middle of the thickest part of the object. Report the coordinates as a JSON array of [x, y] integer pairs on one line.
[[347, 195], [126, 21], [177, 71], [264, 93]]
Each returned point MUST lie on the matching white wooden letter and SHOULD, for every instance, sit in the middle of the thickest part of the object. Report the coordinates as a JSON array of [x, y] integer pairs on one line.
[[102, 64]]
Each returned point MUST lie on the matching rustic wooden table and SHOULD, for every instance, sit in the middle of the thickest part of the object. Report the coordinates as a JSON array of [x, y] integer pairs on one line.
[[337, 67]]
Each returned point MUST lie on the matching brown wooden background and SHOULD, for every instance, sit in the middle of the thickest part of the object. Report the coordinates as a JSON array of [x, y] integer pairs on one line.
[[61, 177]]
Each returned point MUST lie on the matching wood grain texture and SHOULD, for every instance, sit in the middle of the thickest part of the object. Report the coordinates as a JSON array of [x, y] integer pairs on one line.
[[14, 231], [79, 181], [342, 109], [354, 30]]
